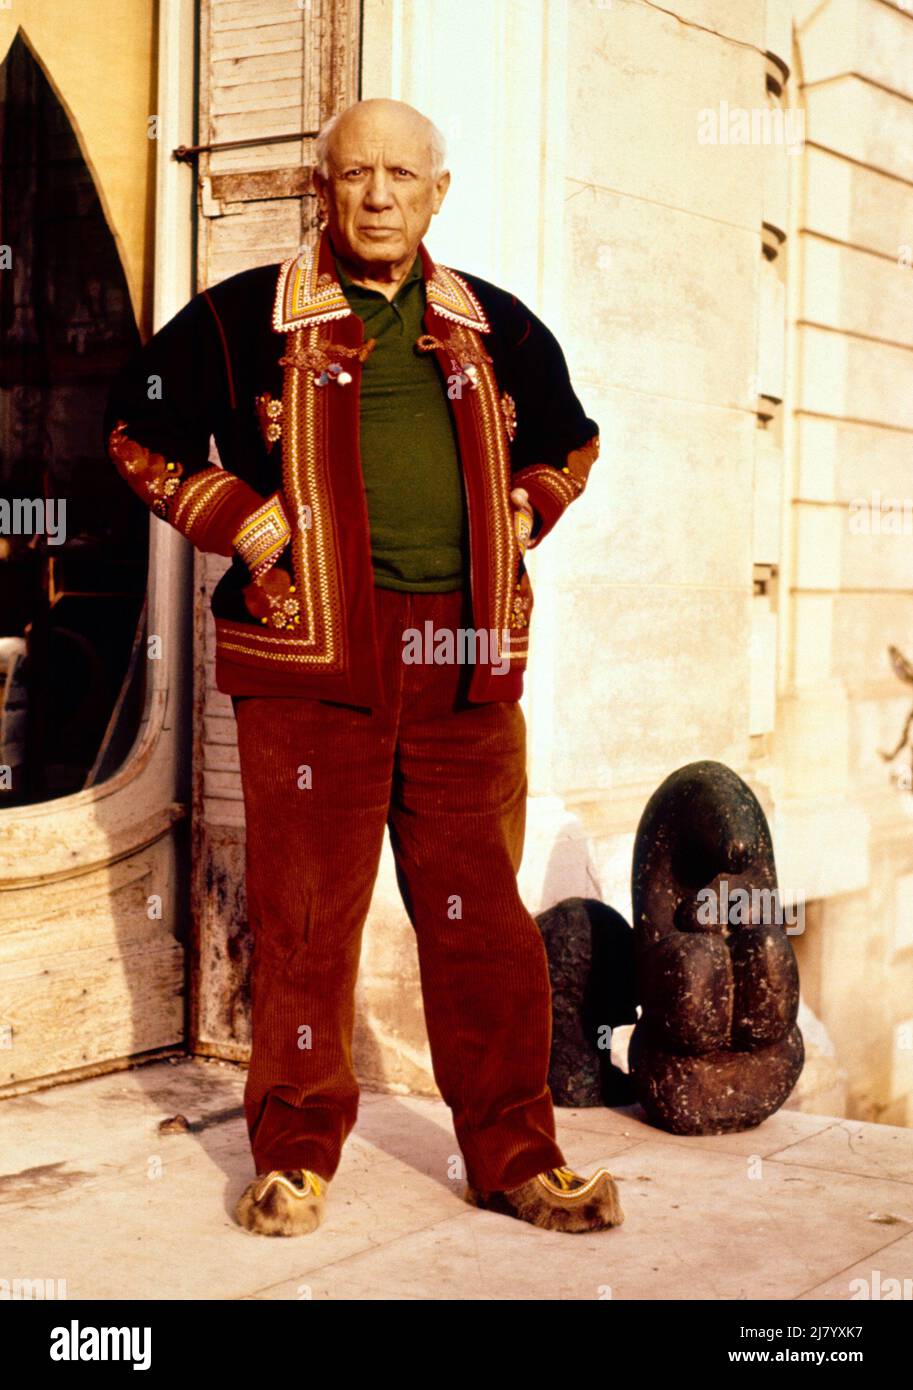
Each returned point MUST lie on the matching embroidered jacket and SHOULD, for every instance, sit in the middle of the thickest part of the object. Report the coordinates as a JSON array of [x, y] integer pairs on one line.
[[268, 363]]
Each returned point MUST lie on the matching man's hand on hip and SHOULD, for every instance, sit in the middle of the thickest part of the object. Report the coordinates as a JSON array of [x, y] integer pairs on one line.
[[524, 516]]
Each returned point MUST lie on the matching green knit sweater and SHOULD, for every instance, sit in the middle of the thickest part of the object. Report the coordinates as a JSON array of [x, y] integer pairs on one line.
[[409, 453]]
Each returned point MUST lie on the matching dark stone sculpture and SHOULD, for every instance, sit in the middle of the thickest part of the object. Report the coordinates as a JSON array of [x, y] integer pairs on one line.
[[717, 1048], [590, 951]]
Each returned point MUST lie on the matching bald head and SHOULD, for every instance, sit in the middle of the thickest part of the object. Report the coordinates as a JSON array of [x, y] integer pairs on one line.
[[372, 113], [379, 181]]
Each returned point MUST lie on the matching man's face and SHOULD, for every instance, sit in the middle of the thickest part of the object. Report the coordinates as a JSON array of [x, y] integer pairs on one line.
[[380, 195]]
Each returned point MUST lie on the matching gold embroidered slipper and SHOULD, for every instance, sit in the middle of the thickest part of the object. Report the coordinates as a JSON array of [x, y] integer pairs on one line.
[[558, 1200], [288, 1203]]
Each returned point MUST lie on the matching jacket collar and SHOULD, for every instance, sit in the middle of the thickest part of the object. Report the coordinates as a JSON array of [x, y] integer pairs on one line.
[[308, 291]]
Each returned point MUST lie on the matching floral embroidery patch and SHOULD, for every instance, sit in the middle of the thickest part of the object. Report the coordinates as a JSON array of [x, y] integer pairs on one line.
[[159, 477], [269, 413], [509, 410], [521, 604], [271, 600]]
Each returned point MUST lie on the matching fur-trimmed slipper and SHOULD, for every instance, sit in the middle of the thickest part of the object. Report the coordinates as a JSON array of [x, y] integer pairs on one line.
[[558, 1200], [288, 1203]]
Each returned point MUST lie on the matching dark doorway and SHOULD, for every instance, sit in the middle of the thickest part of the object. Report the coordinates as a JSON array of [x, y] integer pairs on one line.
[[73, 539]]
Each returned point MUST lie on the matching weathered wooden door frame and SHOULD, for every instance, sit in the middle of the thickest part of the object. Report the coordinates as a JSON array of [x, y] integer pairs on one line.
[[250, 182]]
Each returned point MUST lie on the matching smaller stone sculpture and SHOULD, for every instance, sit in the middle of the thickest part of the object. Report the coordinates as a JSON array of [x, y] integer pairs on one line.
[[590, 951], [717, 1048]]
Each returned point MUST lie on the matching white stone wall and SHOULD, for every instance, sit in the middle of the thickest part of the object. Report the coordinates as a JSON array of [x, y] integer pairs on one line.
[[744, 401], [736, 318], [842, 818]]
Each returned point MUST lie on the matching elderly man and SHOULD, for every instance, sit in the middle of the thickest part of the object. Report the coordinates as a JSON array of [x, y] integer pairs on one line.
[[392, 436]]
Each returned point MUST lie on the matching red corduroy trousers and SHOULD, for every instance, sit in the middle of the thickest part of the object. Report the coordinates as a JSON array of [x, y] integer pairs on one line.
[[321, 781]]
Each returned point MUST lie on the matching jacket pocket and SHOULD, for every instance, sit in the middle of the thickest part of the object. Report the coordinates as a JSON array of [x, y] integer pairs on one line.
[[234, 597], [272, 599]]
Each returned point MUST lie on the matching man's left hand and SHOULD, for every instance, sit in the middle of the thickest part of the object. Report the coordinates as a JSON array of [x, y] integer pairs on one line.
[[522, 509]]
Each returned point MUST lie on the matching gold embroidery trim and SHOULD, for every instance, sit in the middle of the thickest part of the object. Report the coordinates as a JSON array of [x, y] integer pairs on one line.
[[562, 488], [186, 503], [256, 643], [319, 639], [198, 498], [567, 483], [504, 550], [304, 299], [306, 487], [450, 296], [261, 539]]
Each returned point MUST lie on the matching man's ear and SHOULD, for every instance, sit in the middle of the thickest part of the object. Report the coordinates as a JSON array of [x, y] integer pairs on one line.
[[440, 189], [319, 182]]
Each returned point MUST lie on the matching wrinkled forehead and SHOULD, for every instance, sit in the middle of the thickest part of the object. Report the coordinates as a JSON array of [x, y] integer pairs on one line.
[[381, 140]]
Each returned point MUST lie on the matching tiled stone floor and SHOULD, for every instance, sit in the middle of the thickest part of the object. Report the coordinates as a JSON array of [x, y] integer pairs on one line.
[[90, 1192]]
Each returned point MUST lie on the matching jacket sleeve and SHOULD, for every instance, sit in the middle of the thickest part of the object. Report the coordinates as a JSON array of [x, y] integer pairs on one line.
[[161, 412], [555, 443]]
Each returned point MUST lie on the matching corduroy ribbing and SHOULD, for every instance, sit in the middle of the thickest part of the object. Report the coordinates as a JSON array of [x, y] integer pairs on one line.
[[321, 782]]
